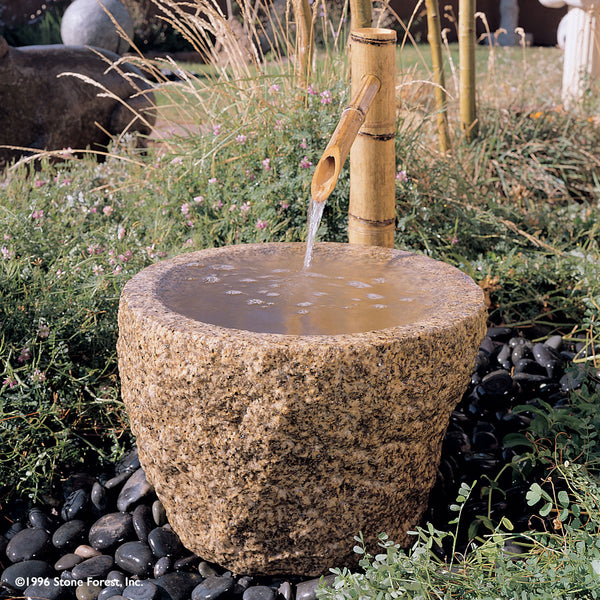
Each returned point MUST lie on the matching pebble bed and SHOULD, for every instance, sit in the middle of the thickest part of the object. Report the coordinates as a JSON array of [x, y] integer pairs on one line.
[[108, 536]]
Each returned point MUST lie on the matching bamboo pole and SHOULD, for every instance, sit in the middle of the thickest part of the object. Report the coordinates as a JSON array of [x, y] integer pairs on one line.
[[361, 14], [434, 37], [304, 41], [466, 54], [372, 211]]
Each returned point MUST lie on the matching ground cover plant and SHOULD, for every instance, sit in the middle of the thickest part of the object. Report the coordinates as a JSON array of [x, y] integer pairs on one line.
[[517, 209]]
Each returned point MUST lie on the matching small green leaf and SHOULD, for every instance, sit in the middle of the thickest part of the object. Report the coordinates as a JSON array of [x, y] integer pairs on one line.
[[564, 514], [563, 498], [534, 494], [358, 550], [545, 510]]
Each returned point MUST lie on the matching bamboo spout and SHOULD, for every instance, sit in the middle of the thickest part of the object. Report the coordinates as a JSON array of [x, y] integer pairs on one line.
[[329, 166], [366, 131]]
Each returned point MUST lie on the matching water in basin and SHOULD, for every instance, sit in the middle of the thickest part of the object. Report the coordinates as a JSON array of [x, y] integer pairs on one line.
[[272, 293]]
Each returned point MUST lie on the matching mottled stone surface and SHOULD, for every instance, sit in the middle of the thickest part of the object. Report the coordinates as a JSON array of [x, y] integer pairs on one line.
[[42, 108], [270, 452]]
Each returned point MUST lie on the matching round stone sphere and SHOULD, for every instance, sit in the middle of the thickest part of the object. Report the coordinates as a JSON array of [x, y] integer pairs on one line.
[[89, 23]]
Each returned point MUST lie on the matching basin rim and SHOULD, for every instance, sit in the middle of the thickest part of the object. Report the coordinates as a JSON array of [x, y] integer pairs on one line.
[[466, 301]]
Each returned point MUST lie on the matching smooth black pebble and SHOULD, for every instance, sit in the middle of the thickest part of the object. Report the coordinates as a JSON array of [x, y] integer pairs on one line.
[[28, 544], [212, 587], [164, 542], [178, 585], [111, 529], [136, 488], [135, 558], [70, 534]]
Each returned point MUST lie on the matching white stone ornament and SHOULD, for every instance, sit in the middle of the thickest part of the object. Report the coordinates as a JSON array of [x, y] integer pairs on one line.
[[579, 35]]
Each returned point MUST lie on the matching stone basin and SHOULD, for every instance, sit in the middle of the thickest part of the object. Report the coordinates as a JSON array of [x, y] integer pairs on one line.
[[270, 451]]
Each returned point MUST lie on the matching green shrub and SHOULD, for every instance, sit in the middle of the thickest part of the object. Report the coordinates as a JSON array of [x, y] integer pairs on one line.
[[558, 558]]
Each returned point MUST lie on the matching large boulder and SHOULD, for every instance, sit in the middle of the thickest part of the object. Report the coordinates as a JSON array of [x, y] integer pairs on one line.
[[100, 23], [270, 451], [47, 105]]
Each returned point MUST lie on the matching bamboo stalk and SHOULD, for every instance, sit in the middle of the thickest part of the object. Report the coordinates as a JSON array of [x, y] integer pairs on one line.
[[466, 53], [372, 211], [434, 37], [329, 166], [304, 41], [361, 14]]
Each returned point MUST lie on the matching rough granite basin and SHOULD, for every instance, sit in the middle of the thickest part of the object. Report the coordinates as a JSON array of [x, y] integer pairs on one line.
[[271, 451]]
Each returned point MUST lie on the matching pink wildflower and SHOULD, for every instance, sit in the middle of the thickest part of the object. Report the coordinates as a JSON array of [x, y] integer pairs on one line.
[[267, 164], [303, 144], [212, 180], [241, 139], [43, 330], [9, 382], [108, 210], [177, 160], [216, 129], [311, 90], [37, 214], [305, 163], [244, 208], [40, 182], [38, 376], [198, 199], [98, 269], [325, 97], [121, 232], [185, 209], [274, 88], [6, 253], [401, 176], [25, 355], [260, 224], [284, 205]]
